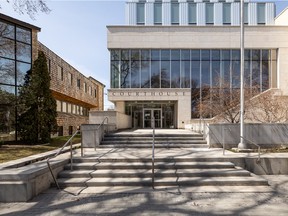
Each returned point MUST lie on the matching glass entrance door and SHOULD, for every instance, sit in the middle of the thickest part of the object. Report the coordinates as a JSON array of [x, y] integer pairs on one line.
[[149, 114]]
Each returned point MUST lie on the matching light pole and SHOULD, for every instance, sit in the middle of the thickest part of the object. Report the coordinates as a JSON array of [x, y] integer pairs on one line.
[[242, 144]]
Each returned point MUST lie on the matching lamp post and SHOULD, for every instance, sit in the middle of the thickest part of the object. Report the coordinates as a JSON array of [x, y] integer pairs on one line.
[[242, 144]]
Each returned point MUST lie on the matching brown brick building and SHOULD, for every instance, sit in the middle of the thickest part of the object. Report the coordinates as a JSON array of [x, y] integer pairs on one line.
[[75, 94]]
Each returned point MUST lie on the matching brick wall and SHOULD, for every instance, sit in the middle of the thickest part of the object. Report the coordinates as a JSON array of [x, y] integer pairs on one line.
[[66, 89], [66, 120]]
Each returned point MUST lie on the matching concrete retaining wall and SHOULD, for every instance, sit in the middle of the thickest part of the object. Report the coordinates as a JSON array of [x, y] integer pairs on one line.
[[120, 120], [265, 135], [24, 183]]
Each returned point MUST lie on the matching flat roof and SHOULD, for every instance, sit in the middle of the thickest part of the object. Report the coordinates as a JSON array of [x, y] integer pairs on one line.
[[18, 22]]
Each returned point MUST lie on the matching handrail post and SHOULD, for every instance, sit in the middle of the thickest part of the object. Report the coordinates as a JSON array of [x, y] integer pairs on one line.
[[153, 150], [71, 156]]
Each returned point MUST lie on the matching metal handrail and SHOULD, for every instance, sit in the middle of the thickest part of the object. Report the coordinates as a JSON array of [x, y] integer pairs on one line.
[[59, 152], [102, 123], [259, 148], [153, 151], [223, 142]]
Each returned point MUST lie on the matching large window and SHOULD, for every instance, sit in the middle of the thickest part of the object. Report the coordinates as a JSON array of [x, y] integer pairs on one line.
[[157, 13], [226, 13], [209, 12], [15, 61], [261, 13], [140, 13], [192, 16], [201, 70], [175, 13]]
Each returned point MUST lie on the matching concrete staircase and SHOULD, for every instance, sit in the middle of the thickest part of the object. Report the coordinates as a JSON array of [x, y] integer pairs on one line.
[[182, 159], [92, 172], [144, 140]]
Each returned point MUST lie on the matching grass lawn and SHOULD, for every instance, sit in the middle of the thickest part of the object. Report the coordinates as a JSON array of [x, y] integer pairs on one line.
[[18, 150]]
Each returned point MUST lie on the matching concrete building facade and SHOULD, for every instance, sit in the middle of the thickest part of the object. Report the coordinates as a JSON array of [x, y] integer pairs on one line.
[[75, 94], [171, 47]]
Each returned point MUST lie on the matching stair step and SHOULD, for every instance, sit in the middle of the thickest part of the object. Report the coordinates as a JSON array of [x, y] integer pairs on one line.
[[175, 142], [185, 181], [150, 138], [156, 146], [158, 173], [161, 165], [148, 160], [129, 135]]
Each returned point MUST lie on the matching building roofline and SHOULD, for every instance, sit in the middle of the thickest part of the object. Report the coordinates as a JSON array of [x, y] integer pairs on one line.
[[282, 12], [18, 22], [93, 79], [87, 77]]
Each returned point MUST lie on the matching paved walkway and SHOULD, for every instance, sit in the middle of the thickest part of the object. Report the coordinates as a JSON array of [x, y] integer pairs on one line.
[[176, 201]]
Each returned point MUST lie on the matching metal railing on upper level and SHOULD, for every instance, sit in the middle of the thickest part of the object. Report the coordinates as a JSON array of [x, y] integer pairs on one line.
[[153, 150], [59, 152], [99, 133], [259, 148], [202, 130]]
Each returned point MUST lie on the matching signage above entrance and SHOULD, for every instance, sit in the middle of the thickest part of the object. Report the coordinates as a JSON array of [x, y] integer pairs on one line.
[[148, 94]]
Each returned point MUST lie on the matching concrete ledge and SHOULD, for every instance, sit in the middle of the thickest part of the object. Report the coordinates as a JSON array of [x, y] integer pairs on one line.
[[23, 183], [34, 158]]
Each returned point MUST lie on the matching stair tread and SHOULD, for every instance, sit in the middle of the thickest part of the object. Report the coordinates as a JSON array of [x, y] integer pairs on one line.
[[93, 164], [156, 171], [162, 179]]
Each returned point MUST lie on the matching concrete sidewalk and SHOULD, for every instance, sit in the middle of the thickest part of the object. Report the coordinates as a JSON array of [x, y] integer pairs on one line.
[[170, 201]]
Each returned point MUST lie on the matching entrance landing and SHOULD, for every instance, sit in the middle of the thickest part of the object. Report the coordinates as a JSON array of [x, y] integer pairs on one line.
[[157, 131]]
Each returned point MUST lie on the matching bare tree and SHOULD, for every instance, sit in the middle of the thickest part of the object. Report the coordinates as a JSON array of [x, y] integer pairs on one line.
[[222, 101], [268, 107], [30, 7]]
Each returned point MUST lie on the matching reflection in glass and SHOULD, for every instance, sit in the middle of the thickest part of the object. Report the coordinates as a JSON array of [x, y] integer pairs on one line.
[[7, 48], [23, 52], [7, 112], [7, 71], [7, 30], [199, 70], [22, 69], [23, 35]]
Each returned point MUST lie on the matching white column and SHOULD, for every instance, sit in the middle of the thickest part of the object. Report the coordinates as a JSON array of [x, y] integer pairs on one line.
[[183, 12], [269, 13], [218, 13], [166, 12], [149, 12], [252, 13], [131, 8], [201, 18]]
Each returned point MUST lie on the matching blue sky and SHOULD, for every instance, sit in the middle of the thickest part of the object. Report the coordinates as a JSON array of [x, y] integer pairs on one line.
[[76, 31]]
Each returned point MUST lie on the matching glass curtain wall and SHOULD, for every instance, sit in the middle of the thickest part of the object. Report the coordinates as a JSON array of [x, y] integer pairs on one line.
[[15, 61], [202, 71]]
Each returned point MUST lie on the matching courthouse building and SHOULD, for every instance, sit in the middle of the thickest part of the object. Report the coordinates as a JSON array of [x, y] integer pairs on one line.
[[75, 94], [170, 54]]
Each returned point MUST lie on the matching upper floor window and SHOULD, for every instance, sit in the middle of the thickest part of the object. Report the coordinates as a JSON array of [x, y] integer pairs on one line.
[[78, 83], [226, 13], [49, 65], [209, 13], [70, 78], [95, 93], [157, 13], [261, 13], [174, 13], [192, 13], [140, 13], [85, 87], [246, 13], [60, 74]]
